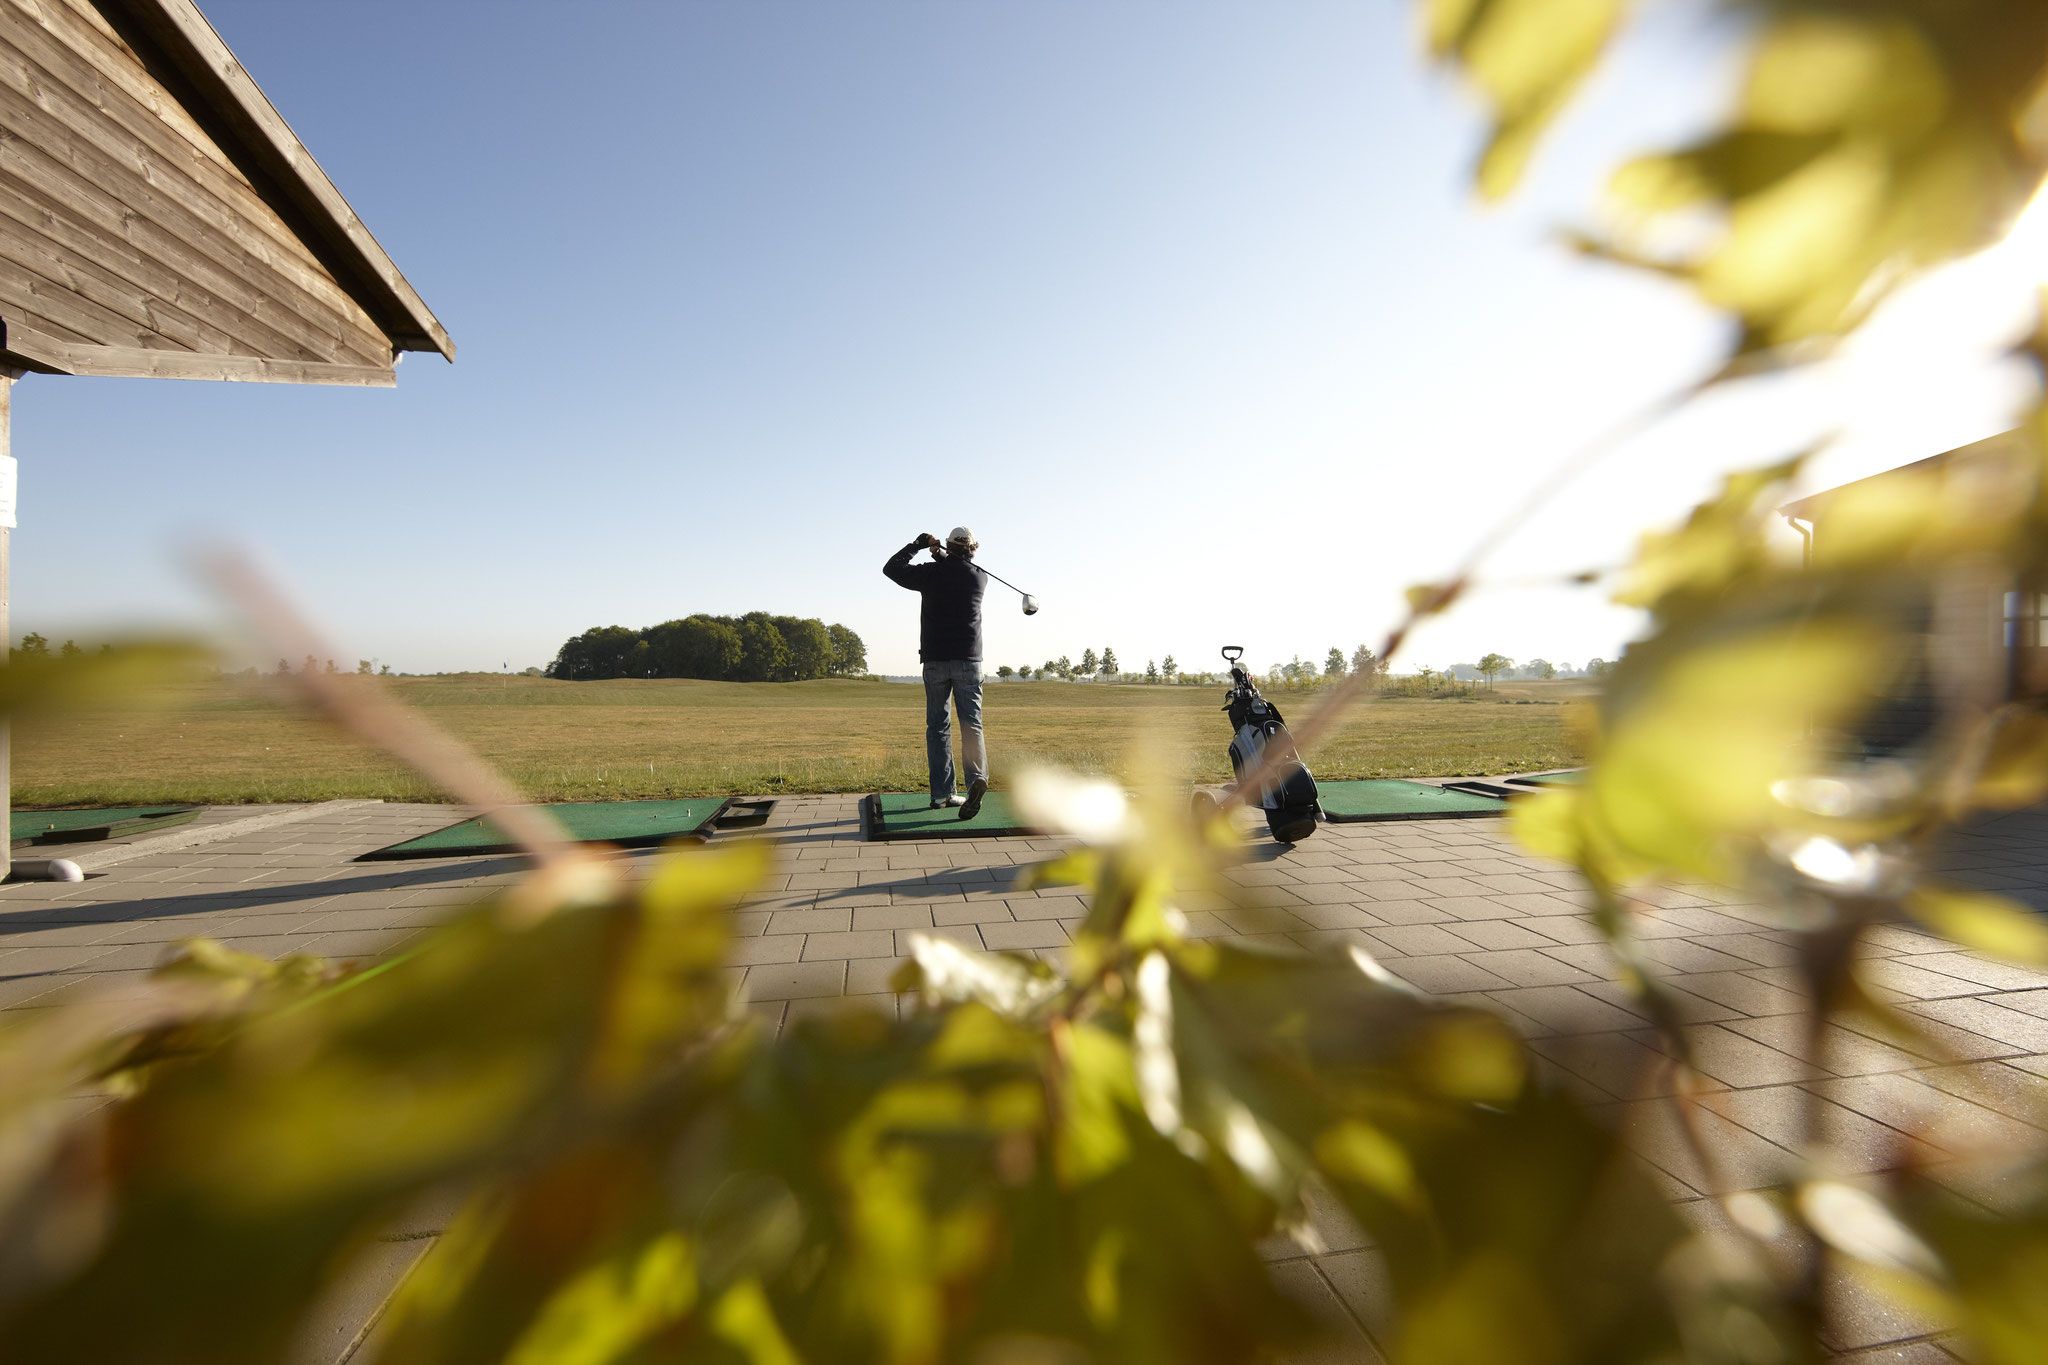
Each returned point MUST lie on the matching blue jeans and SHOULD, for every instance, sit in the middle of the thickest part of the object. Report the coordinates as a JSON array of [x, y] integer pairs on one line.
[[962, 679]]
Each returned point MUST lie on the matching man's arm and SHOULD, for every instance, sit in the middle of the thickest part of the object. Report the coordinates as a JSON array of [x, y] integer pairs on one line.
[[905, 574]]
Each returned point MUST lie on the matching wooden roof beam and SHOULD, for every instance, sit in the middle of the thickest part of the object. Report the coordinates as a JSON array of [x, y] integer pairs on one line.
[[177, 42]]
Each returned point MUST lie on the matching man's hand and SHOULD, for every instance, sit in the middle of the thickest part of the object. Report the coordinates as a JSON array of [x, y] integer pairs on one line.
[[927, 541]]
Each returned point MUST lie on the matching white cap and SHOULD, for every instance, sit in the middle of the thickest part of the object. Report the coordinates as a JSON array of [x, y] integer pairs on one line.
[[962, 536]]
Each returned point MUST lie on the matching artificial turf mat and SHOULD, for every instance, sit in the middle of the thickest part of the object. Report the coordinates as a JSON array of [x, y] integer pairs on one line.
[[1392, 799], [77, 826], [1564, 779], [1478, 787], [628, 824], [909, 815]]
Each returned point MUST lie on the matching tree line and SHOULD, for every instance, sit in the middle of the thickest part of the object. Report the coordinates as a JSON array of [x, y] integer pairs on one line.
[[756, 647], [1104, 668]]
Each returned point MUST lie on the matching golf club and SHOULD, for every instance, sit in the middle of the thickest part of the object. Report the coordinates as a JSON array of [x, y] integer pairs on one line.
[[1030, 602]]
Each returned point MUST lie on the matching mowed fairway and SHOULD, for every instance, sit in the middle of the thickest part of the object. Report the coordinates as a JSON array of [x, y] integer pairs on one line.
[[237, 740]]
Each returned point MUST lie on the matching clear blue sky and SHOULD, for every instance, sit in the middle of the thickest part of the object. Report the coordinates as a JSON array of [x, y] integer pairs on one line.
[[1186, 309]]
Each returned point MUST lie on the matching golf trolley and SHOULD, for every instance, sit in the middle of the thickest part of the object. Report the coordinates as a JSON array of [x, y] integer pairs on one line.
[[1287, 793]]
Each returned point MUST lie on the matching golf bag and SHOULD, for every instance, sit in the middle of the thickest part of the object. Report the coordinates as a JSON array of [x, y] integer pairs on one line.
[[1288, 794]]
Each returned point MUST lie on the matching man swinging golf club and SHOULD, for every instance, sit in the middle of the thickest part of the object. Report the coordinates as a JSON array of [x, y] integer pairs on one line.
[[949, 643]]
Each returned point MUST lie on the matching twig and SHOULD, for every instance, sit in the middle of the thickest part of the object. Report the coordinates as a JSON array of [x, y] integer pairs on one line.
[[362, 707], [1443, 594]]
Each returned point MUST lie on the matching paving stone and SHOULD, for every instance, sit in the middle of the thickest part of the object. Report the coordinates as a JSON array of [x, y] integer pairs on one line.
[[1567, 1009], [1842, 1052], [1418, 940], [2021, 1031], [1012, 937], [1443, 974], [1617, 1064], [1740, 992], [1526, 967], [873, 975], [1397, 911], [2003, 976], [817, 919], [1333, 916], [794, 980], [747, 952], [1573, 929], [966, 935], [1736, 1060], [1337, 1340], [861, 943], [1653, 1129], [1263, 920], [1497, 934], [1908, 1103]]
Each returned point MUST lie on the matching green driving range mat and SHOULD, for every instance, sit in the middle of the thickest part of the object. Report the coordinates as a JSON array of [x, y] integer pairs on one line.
[[909, 815], [629, 824], [1392, 799], [77, 826], [1570, 778]]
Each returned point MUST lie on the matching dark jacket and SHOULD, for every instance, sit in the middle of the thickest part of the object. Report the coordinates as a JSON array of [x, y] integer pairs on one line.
[[949, 625]]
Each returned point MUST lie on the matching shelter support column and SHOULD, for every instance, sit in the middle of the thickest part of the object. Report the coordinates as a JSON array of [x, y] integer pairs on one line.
[[7, 378]]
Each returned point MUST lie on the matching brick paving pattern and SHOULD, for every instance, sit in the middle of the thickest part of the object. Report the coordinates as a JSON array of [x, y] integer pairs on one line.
[[1452, 907]]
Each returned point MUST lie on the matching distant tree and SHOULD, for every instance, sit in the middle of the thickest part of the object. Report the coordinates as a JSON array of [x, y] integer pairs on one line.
[[849, 655], [600, 652], [71, 650], [385, 671], [1427, 674], [1089, 663], [809, 645], [1364, 660], [764, 655], [1566, 670], [1006, 672], [34, 645], [1334, 667], [1598, 668], [363, 667], [1151, 671], [283, 668], [1109, 666], [694, 647], [1168, 669], [1539, 668], [312, 665], [1493, 665], [331, 668], [1064, 668]]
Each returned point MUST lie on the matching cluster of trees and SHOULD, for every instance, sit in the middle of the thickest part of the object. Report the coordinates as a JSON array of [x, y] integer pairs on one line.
[[35, 646], [1500, 665], [756, 647]]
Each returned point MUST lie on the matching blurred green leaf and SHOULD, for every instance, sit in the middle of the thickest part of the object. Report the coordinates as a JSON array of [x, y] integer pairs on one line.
[[1989, 923], [1526, 57]]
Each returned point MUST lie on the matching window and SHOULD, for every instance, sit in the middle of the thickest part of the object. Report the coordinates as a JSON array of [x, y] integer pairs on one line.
[[2026, 619]]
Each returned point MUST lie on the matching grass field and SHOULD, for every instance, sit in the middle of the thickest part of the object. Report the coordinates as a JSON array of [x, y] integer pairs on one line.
[[238, 740]]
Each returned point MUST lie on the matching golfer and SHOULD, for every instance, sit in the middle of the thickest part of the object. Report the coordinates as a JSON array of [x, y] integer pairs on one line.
[[949, 642]]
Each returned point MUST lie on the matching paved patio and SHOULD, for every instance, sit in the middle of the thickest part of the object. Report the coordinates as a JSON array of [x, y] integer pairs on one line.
[[1450, 906]]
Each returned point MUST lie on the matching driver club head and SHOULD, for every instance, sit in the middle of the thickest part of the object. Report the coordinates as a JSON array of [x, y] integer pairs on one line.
[[1030, 605]]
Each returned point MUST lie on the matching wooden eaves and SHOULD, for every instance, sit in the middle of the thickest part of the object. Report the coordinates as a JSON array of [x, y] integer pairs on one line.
[[298, 272]]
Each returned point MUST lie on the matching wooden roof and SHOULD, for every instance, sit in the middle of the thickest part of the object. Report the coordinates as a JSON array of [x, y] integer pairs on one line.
[[1964, 460], [159, 218]]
